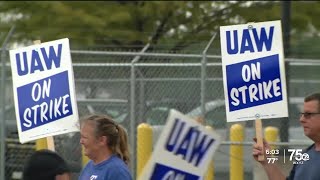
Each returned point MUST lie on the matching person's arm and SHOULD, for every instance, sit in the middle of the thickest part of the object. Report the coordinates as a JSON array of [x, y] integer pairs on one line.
[[272, 170]]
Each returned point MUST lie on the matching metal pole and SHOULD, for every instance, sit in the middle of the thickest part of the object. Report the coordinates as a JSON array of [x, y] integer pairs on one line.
[[284, 125], [115, 53], [142, 104], [3, 102], [286, 19], [132, 112], [204, 76]]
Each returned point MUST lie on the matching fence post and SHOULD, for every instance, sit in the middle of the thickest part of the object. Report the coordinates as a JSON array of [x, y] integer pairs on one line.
[[3, 102], [236, 152], [132, 137], [144, 146], [271, 135], [204, 76]]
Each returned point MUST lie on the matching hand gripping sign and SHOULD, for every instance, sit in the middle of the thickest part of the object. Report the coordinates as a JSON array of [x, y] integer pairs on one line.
[[183, 151], [254, 72], [44, 92]]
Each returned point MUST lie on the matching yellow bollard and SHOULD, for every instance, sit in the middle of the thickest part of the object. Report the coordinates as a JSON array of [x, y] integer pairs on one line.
[[236, 152], [85, 158], [271, 135], [41, 144], [144, 146], [210, 171]]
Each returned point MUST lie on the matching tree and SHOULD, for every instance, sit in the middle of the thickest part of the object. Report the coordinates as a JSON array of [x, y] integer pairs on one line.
[[167, 25]]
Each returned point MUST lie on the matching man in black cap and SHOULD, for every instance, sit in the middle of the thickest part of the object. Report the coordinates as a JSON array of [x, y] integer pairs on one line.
[[46, 165]]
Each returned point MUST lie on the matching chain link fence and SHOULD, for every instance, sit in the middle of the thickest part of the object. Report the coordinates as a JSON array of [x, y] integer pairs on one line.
[[136, 87]]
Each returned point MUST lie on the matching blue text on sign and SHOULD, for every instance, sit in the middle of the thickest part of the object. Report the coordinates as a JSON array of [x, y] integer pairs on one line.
[[255, 82], [235, 45], [192, 146], [38, 60]]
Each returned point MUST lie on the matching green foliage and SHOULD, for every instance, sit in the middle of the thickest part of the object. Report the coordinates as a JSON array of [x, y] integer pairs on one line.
[[168, 25]]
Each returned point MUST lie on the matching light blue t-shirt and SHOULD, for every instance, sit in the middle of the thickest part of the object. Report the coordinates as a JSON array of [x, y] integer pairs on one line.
[[110, 169]]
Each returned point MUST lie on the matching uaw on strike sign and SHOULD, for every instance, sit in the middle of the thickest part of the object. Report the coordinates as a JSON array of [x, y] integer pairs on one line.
[[44, 93], [183, 151], [253, 70]]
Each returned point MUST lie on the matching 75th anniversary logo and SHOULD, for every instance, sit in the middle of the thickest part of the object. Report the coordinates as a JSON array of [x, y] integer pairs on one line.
[[295, 156]]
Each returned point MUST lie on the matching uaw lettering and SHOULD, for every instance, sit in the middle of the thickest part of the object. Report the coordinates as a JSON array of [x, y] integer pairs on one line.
[[257, 81], [261, 40], [38, 60], [190, 144]]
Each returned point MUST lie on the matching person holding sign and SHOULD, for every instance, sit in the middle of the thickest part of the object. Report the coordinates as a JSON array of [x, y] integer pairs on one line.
[[105, 143], [46, 164], [307, 165]]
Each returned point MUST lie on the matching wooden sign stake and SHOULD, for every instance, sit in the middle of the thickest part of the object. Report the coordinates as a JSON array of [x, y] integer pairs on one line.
[[259, 136]]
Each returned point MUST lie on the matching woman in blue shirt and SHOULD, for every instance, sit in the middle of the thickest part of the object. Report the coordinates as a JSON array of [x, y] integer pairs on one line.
[[105, 143]]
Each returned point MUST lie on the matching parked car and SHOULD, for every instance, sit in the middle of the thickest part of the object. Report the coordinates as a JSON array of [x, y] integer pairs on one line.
[[152, 111]]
